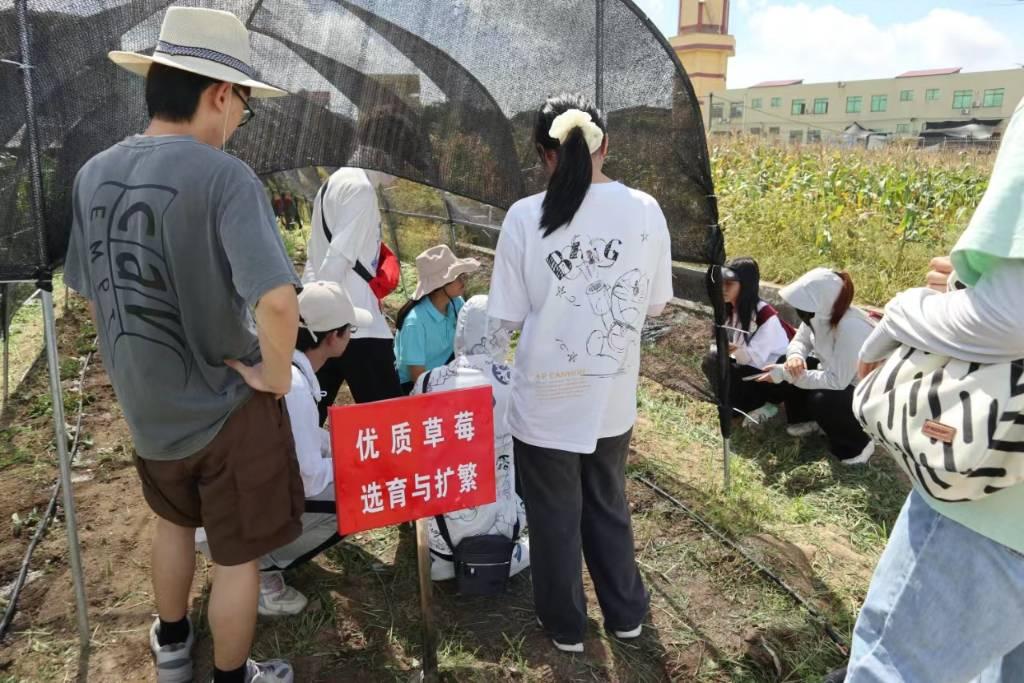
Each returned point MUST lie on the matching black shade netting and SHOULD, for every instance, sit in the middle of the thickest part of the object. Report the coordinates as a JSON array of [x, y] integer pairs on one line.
[[443, 93]]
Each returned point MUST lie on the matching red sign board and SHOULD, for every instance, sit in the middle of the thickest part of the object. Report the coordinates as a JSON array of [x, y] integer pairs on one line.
[[410, 458]]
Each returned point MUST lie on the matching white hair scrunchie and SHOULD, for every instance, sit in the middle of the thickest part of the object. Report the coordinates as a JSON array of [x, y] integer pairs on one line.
[[565, 122]]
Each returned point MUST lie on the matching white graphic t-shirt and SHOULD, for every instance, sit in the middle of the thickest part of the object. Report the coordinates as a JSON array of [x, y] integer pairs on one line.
[[582, 295]]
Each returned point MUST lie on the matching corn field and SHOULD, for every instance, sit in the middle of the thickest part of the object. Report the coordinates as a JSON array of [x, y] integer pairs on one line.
[[881, 215]]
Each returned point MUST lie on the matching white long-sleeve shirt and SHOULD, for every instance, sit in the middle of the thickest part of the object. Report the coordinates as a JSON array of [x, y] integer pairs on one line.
[[312, 442], [980, 324], [761, 347]]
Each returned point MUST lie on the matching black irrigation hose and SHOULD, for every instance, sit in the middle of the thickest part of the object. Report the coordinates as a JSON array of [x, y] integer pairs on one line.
[[51, 510], [834, 635]]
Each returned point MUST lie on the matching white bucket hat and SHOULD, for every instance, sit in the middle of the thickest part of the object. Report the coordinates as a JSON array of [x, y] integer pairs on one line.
[[207, 42], [438, 266], [326, 306]]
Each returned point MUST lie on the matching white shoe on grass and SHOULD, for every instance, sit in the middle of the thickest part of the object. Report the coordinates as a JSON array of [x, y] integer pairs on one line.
[[270, 671], [277, 598], [173, 662], [571, 648], [757, 418], [864, 456], [802, 429], [630, 634]]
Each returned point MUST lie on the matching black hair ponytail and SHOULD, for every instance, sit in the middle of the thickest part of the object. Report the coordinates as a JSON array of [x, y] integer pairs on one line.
[[568, 185], [405, 310]]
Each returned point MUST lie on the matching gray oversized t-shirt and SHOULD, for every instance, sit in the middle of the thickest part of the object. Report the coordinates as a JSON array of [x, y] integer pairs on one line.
[[174, 242]]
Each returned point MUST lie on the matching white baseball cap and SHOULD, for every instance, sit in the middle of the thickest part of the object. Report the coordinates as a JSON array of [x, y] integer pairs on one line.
[[326, 306]]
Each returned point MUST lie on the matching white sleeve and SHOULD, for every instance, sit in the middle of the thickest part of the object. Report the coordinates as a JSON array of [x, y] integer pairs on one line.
[[661, 285], [766, 345], [981, 324], [841, 369], [802, 344], [509, 299], [317, 471]]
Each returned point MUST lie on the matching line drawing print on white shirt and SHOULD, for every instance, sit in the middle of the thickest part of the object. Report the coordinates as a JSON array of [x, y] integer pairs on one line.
[[620, 307]]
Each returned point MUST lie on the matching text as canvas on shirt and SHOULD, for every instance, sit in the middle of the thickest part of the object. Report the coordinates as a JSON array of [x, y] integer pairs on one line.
[[411, 458]]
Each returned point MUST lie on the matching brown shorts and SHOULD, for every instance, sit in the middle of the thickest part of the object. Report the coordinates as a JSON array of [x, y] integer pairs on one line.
[[244, 487]]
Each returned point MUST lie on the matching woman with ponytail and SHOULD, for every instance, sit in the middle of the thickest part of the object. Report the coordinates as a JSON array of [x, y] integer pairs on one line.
[[819, 389], [577, 269]]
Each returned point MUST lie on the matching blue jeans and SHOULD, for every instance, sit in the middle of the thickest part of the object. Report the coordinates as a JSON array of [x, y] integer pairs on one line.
[[946, 605]]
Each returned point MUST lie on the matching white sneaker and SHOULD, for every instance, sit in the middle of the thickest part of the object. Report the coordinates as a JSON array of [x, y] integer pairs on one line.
[[270, 671], [572, 648], [277, 598], [630, 634], [173, 662], [803, 429], [864, 456], [757, 418]]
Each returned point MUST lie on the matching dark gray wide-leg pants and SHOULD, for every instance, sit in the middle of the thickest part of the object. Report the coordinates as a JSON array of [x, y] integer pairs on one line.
[[574, 502]]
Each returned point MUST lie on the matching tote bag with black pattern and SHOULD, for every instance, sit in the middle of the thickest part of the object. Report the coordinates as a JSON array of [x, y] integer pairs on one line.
[[955, 427]]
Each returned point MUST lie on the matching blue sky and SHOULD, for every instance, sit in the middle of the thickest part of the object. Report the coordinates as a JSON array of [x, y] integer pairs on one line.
[[828, 40]]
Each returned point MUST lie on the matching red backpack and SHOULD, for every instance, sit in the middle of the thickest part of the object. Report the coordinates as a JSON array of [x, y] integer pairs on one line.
[[389, 270], [766, 313]]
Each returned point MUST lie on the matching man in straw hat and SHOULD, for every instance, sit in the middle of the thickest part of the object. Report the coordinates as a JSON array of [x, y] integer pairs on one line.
[[175, 245]]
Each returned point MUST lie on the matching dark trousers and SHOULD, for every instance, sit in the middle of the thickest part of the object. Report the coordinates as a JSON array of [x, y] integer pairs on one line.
[[743, 396], [574, 502], [832, 410], [368, 365]]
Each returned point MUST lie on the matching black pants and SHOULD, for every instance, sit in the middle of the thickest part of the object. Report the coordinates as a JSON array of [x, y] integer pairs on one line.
[[832, 410], [574, 502], [743, 396], [368, 365]]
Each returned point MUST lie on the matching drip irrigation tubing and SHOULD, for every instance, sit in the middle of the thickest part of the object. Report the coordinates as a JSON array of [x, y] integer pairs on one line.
[[830, 631]]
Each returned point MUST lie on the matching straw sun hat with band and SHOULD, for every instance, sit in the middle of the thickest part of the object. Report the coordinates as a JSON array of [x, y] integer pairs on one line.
[[207, 42]]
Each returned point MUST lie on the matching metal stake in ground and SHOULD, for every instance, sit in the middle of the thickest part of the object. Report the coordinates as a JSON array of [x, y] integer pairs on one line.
[[50, 332], [429, 674], [5, 293]]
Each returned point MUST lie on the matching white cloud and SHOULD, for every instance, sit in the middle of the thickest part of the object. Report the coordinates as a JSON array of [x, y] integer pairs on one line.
[[828, 44]]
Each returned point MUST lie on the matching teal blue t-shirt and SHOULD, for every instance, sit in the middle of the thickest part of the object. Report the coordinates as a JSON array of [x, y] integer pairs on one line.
[[427, 338]]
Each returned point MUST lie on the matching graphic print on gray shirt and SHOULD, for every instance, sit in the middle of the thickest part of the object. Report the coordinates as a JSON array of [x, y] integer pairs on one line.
[[174, 242]]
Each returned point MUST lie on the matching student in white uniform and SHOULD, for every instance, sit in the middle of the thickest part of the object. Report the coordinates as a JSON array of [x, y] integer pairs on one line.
[[579, 268], [758, 336], [345, 247], [327, 321], [481, 350]]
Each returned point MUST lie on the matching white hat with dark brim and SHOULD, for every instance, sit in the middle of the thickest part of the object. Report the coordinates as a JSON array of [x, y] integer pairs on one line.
[[326, 306], [207, 42]]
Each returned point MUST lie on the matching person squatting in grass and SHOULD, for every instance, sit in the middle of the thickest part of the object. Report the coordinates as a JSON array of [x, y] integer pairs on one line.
[[426, 323], [757, 336], [816, 382]]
